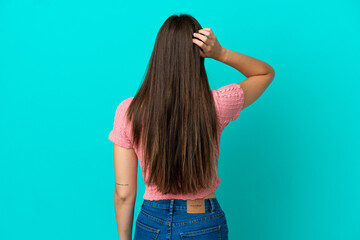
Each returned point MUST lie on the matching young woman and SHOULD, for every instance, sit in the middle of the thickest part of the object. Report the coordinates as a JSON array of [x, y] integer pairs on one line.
[[173, 126]]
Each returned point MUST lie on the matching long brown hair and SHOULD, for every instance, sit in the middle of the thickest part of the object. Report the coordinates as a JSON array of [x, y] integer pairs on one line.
[[174, 112]]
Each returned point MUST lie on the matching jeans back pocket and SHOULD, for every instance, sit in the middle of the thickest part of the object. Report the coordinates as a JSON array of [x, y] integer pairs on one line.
[[143, 231], [208, 233]]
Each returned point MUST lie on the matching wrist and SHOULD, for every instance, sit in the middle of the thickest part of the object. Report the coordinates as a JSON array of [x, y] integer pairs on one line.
[[222, 54]]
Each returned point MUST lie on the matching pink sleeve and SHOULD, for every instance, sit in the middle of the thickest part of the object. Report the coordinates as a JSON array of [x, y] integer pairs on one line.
[[230, 100], [118, 134]]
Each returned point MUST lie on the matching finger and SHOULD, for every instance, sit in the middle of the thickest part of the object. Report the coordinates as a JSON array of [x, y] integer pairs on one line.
[[202, 37], [208, 29], [205, 32], [201, 44], [211, 31]]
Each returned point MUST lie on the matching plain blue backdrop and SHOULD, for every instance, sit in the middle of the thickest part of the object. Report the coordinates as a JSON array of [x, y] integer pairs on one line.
[[289, 165]]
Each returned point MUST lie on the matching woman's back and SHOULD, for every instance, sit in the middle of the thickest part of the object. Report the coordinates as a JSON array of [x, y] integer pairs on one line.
[[228, 100]]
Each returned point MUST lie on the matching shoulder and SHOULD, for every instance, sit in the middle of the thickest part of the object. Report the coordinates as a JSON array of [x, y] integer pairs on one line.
[[124, 104], [233, 89], [121, 109], [121, 128], [231, 92], [229, 100], [228, 95], [127, 101]]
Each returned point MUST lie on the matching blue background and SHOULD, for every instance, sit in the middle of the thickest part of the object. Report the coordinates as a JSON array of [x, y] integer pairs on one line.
[[289, 165]]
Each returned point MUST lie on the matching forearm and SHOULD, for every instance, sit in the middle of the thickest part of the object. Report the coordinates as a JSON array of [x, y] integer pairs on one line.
[[247, 65], [124, 210]]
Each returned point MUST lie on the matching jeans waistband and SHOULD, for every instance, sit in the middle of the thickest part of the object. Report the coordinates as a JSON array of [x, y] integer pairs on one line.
[[170, 204]]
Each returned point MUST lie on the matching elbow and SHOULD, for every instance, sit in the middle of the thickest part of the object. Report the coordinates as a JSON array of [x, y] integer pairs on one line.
[[124, 196], [271, 73], [270, 70]]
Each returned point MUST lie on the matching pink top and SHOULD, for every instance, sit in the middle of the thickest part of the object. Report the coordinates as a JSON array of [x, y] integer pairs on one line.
[[229, 101]]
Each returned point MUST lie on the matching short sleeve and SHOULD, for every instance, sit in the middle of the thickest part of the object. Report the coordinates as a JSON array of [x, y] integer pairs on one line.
[[118, 134], [229, 100]]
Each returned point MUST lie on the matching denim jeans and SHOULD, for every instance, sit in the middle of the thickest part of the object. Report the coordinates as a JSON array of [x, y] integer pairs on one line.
[[168, 220]]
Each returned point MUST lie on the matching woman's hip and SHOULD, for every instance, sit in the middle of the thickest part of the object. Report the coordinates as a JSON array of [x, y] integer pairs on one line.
[[181, 219]]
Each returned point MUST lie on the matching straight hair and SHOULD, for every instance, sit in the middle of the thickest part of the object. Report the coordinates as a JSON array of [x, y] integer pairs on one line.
[[173, 113]]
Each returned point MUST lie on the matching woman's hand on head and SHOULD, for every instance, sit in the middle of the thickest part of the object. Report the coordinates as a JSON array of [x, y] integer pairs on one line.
[[209, 45]]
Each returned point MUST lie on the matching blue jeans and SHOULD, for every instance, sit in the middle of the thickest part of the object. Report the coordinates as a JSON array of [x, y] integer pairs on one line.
[[168, 220]]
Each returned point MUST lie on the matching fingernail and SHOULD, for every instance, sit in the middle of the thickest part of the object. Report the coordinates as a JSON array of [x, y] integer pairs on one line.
[[193, 34]]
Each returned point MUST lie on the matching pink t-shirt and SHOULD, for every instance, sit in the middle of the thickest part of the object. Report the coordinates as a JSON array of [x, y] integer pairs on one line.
[[229, 101]]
